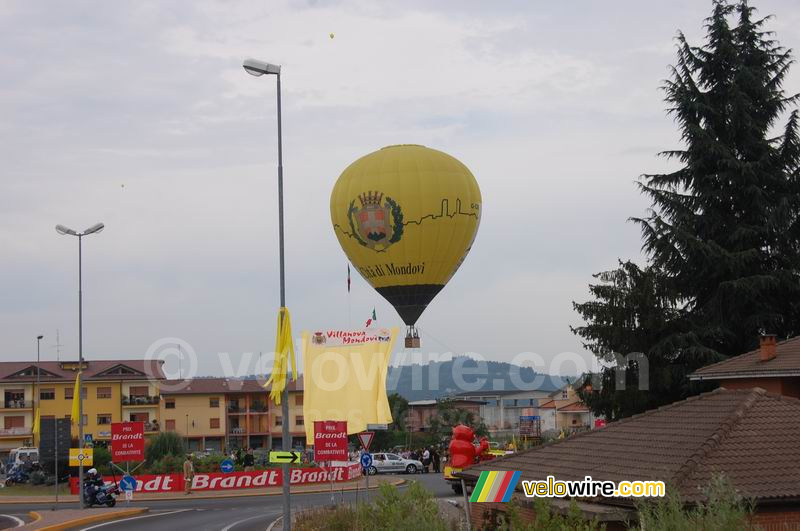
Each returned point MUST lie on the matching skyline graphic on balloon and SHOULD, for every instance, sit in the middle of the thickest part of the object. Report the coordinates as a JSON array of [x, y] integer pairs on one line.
[[406, 217]]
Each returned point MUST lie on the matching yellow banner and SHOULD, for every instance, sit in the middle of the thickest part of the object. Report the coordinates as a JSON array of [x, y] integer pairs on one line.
[[76, 455], [345, 377]]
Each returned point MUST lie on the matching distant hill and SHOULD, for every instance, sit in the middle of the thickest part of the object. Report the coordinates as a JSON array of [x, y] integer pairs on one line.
[[413, 382]]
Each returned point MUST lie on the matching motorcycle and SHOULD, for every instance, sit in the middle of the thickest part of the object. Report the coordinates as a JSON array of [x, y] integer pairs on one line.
[[100, 495], [17, 476]]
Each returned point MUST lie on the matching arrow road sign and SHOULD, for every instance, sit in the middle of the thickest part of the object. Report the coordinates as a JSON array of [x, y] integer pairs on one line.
[[284, 457], [226, 466], [366, 460], [127, 483], [365, 438]]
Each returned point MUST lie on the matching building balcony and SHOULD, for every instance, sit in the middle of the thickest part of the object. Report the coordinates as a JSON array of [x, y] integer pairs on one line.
[[15, 432], [17, 404], [151, 427], [138, 401]]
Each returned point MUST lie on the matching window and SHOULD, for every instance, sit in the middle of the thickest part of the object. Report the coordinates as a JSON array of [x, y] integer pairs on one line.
[[104, 418], [14, 422], [298, 420], [298, 399], [564, 394], [279, 421], [213, 424], [213, 402], [509, 402], [103, 392], [69, 392], [47, 394], [169, 403], [170, 425], [138, 391], [140, 417]]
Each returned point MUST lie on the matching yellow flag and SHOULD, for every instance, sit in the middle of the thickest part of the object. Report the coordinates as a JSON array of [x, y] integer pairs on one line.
[[37, 423], [284, 351], [76, 400], [345, 377]]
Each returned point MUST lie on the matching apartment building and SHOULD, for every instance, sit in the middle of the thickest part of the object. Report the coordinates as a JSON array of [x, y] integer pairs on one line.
[[222, 414], [113, 391]]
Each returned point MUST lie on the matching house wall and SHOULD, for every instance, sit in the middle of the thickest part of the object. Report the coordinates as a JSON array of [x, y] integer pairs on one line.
[[778, 386], [198, 411], [778, 520], [493, 515]]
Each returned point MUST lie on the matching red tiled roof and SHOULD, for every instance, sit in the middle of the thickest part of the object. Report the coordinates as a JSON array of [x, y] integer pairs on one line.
[[748, 435], [53, 371], [202, 386], [575, 407], [785, 363], [550, 404]]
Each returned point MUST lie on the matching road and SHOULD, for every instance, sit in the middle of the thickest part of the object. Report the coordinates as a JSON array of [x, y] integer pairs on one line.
[[239, 514]]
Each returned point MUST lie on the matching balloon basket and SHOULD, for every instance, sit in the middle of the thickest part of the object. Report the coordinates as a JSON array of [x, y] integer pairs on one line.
[[412, 337]]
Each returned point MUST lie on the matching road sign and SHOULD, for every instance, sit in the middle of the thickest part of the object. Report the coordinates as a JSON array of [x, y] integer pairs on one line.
[[330, 440], [226, 466], [128, 495], [78, 456], [366, 460], [365, 438], [377, 427], [87, 438], [284, 457], [127, 483], [127, 441]]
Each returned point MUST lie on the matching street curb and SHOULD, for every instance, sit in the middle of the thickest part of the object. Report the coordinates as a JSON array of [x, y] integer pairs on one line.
[[92, 519], [185, 497], [35, 517]]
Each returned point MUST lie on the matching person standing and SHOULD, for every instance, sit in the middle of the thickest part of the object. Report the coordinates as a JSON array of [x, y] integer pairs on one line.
[[188, 473], [435, 460], [249, 461], [426, 459]]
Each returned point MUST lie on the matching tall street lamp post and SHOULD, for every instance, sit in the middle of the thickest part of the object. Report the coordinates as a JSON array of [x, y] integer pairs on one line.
[[36, 395], [61, 229], [259, 68]]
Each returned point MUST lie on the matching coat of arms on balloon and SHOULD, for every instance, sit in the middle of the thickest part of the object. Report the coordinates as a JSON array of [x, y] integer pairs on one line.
[[406, 217], [378, 222]]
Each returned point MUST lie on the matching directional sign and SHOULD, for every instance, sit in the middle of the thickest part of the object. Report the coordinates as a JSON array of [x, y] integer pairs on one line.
[[365, 438], [226, 466], [127, 483], [78, 456], [366, 460], [87, 438], [284, 457], [377, 427]]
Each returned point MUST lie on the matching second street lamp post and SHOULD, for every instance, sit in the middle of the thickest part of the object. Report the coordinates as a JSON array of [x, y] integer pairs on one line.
[[61, 229], [259, 68], [37, 394]]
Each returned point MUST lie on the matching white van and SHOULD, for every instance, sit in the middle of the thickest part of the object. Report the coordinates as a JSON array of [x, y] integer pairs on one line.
[[18, 456]]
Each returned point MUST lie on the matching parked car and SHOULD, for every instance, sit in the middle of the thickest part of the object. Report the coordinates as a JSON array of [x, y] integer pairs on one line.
[[385, 462]]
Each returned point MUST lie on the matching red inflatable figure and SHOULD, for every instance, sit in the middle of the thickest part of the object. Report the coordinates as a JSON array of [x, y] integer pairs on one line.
[[462, 451]]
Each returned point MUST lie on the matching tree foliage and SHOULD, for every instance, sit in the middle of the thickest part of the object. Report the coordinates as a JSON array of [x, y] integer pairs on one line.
[[164, 444], [722, 237]]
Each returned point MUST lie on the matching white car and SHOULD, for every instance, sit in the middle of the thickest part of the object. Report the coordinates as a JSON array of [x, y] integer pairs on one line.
[[383, 462]]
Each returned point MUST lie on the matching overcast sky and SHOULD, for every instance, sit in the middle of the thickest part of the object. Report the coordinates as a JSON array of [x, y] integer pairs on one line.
[[139, 115]]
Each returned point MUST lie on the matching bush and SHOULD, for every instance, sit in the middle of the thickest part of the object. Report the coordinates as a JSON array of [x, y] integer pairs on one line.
[[102, 460], [164, 444], [209, 463], [169, 464], [724, 510], [411, 510]]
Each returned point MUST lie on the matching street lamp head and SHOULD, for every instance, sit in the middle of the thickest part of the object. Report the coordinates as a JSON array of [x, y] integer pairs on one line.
[[39, 337], [254, 67], [98, 227], [61, 229]]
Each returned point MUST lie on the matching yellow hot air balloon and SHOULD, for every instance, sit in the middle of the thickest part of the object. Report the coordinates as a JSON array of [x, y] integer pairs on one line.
[[406, 217]]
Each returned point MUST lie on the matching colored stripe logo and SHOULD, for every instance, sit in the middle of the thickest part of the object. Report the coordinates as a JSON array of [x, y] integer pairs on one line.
[[495, 486]]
